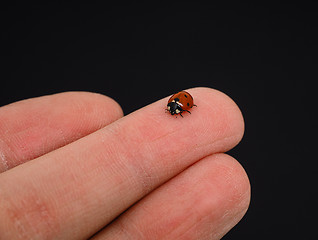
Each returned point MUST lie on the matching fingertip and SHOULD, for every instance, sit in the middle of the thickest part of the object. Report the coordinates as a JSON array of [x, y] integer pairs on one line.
[[222, 193], [94, 104], [33, 127], [236, 120], [204, 202], [234, 182], [220, 112], [227, 196]]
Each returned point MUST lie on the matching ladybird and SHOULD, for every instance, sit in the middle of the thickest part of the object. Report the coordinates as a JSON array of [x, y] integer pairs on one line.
[[179, 103]]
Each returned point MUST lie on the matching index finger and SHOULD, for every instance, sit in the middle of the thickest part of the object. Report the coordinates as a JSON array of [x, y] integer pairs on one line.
[[86, 184], [33, 127]]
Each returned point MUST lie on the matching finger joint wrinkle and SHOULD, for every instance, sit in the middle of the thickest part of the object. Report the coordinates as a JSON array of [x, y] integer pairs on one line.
[[4, 161]]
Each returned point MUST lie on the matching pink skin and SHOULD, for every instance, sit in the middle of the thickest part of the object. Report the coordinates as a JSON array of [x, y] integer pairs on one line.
[[167, 175], [33, 127]]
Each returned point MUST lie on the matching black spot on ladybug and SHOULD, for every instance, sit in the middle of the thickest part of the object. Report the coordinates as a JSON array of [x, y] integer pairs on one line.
[[188, 104], [186, 97]]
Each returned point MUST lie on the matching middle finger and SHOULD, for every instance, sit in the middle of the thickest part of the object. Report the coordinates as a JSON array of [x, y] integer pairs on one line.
[[83, 186]]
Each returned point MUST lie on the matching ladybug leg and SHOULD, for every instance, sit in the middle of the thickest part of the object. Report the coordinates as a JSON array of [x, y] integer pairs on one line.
[[188, 111], [194, 105], [181, 114]]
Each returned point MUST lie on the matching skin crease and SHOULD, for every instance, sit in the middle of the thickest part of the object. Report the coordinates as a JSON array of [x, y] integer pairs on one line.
[[52, 122], [136, 162]]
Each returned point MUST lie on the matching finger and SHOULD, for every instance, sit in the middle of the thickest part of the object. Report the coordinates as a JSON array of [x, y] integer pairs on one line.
[[33, 127], [203, 202], [86, 184]]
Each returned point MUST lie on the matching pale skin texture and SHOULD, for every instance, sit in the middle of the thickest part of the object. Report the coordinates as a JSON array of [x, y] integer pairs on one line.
[[96, 174]]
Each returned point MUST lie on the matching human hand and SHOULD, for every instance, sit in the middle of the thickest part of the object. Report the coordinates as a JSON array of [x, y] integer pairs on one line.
[[95, 173]]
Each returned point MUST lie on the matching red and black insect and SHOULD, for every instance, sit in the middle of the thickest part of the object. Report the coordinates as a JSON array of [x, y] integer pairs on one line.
[[179, 103]]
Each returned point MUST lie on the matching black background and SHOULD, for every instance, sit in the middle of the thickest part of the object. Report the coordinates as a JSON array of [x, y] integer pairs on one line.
[[261, 55]]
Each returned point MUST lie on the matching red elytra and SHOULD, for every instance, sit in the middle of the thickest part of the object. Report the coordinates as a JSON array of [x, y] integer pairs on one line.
[[179, 103]]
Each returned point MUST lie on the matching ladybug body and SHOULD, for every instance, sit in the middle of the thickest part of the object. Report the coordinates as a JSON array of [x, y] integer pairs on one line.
[[179, 103]]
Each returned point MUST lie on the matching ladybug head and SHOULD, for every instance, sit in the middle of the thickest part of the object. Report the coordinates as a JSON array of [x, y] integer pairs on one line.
[[174, 108]]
